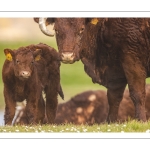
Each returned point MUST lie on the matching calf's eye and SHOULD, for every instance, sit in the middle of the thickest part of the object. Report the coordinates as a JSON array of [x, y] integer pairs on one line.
[[17, 61]]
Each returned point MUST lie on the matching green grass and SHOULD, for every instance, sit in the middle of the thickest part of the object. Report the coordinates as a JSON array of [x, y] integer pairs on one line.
[[126, 127]]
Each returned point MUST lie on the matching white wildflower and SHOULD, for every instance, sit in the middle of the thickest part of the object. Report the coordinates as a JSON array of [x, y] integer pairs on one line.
[[84, 130], [17, 130], [148, 131]]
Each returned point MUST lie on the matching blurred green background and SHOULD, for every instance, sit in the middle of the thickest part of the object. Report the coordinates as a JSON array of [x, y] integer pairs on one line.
[[17, 32]]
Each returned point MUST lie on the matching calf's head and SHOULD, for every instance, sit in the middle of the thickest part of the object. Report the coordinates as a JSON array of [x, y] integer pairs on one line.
[[23, 61]]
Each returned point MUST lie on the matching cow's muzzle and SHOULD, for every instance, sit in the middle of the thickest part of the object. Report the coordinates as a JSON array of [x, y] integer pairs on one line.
[[68, 57]]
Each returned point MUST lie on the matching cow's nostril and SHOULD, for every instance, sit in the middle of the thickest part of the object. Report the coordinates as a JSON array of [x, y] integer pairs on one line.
[[67, 57]]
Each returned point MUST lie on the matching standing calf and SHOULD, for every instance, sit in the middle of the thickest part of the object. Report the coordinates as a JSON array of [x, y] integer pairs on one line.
[[27, 72]]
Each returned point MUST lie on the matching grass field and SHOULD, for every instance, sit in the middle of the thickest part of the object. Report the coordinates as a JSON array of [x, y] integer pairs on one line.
[[126, 127]]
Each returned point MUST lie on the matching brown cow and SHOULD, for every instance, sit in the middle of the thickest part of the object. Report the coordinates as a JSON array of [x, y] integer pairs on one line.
[[115, 52], [27, 72]]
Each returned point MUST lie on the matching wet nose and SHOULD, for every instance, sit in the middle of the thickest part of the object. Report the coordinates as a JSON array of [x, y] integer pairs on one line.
[[67, 57], [25, 74]]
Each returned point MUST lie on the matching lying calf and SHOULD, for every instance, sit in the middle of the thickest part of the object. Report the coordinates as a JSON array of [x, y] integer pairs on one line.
[[92, 107], [27, 72]]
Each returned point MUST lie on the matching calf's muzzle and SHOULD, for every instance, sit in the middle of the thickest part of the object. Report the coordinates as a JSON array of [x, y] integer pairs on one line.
[[25, 74]]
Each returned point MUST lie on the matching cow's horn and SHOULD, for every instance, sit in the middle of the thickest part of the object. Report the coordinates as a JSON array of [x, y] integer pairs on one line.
[[43, 27]]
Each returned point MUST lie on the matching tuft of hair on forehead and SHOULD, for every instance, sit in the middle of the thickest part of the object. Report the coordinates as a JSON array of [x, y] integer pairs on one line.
[[23, 51]]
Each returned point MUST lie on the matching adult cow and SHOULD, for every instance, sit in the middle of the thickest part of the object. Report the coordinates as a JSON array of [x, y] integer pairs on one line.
[[115, 52]]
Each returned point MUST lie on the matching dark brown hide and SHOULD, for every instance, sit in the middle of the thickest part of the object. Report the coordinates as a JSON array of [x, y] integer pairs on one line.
[[92, 107], [115, 52], [27, 72], [118, 50]]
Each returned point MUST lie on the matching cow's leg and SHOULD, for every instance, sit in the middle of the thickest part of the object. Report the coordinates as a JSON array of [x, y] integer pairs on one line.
[[10, 105], [51, 104], [114, 95], [136, 76]]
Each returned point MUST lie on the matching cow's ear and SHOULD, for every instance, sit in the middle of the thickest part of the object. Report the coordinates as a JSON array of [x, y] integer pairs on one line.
[[36, 20], [9, 54], [48, 20], [37, 54]]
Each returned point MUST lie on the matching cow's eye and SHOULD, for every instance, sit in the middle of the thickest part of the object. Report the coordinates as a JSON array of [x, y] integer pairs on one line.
[[82, 29], [32, 62]]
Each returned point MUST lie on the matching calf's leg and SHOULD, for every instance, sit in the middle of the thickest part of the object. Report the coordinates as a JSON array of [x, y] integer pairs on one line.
[[51, 105], [10, 105]]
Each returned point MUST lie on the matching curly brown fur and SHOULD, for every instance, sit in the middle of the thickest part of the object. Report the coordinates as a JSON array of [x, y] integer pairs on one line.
[[27, 72]]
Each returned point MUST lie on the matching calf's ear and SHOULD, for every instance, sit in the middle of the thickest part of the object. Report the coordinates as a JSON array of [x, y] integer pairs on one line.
[[9, 54], [37, 54]]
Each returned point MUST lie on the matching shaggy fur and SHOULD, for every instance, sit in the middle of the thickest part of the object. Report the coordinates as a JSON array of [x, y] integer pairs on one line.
[[27, 72]]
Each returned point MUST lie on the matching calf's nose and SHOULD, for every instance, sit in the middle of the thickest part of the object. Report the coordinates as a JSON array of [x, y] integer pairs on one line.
[[25, 74], [67, 57]]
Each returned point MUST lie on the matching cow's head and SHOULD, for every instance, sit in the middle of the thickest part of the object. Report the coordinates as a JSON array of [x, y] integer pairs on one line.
[[68, 35], [23, 61]]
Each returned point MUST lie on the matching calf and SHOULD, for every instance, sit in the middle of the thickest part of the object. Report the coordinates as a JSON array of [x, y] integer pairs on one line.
[[27, 72], [92, 107]]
